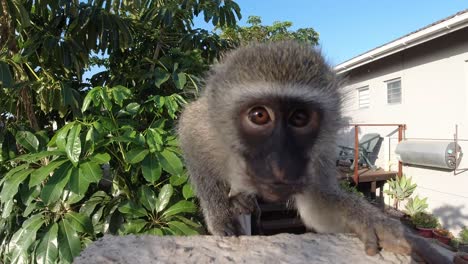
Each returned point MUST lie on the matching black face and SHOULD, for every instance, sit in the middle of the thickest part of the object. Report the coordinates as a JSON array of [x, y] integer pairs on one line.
[[278, 133]]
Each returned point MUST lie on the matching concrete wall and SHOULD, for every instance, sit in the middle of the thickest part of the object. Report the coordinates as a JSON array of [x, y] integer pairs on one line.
[[434, 85]]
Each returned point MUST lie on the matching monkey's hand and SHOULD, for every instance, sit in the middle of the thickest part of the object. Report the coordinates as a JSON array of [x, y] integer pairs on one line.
[[376, 231], [242, 203], [331, 210]]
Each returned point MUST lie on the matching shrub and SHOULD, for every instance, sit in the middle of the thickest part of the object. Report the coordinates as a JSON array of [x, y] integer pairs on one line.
[[425, 220], [346, 185], [463, 235]]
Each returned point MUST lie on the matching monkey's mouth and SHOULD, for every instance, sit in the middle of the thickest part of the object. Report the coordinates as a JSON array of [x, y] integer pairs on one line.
[[278, 192]]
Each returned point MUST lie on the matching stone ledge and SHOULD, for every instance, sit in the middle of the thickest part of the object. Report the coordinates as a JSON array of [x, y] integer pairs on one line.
[[282, 248]]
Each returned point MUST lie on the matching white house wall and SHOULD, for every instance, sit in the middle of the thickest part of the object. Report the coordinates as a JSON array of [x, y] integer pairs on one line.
[[434, 86]]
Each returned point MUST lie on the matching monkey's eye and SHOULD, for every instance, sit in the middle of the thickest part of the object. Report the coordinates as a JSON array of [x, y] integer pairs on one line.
[[259, 115], [299, 118]]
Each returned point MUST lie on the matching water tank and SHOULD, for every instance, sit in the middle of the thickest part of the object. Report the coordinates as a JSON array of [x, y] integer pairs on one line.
[[437, 154]]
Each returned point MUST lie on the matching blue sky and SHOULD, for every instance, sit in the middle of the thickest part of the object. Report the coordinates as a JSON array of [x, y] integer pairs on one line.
[[350, 27], [347, 27]]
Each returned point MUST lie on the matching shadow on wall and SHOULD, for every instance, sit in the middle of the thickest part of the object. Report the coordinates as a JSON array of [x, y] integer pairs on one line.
[[451, 216]]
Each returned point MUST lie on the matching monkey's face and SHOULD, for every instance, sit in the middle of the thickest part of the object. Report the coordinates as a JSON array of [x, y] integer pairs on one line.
[[277, 134]]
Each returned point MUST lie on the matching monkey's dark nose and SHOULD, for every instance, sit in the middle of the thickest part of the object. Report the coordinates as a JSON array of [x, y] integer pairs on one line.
[[279, 173]]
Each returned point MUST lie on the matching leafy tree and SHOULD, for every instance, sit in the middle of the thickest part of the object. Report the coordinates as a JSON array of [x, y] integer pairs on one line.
[[80, 158], [260, 33]]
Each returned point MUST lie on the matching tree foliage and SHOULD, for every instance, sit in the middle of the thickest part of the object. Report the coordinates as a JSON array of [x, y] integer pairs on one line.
[[256, 32], [80, 158]]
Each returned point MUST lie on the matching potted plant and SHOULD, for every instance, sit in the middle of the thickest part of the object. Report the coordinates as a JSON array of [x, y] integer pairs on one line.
[[425, 223], [413, 206], [463, 239], [443, 235]]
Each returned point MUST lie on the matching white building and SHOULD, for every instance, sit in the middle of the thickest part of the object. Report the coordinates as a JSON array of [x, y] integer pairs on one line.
[[420, 80]]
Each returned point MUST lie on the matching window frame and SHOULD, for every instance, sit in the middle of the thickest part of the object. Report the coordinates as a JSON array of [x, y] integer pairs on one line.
[[359, 90], [395, 80]]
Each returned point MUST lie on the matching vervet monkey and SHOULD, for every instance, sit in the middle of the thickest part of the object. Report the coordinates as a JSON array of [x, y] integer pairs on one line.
[[266, 124]]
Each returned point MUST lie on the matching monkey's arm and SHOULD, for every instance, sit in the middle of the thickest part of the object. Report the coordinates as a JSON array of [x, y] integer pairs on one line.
[[206, 164], [334, 210]]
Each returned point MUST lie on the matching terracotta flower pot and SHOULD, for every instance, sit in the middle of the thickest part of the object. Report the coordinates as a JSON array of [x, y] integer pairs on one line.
[[425, 232], [439, 235]]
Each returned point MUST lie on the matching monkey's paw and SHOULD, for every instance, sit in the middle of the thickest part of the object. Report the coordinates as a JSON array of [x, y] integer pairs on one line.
[[226, 227], [393, 236], [242, 203]]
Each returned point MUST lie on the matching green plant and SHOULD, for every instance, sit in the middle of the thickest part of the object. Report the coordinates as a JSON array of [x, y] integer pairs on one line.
[[400, 189], [425, 220], [82, 158], [346, 185], [463, 235], [415, 205]]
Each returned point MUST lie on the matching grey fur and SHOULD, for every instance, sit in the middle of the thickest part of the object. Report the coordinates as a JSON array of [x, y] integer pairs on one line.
[[211, 147]]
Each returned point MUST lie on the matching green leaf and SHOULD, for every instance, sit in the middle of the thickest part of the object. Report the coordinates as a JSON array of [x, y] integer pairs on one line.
[[9, 174], [181, 228], [7, 208], [6, 79], [187, 191], [164, 197], [132, 209], [154, 140], [96, 199], [155, 232], [179, 80], [90, 96], [100, 158], [170, 162], [73, 197], [29, 208], [41, 173], [132, 108], [120, 93], [55, 186], [180, 207], [105, 99], [151, 168], [90, 171], [80, 222], [32, 157], [78, 183], [28, 140], [136, 155], [47, 251], [69, 241], [177, 180], [10, 187], [147, 198], [73, 146], [161, 76], [60, 138], [24, 237], [134, 226]]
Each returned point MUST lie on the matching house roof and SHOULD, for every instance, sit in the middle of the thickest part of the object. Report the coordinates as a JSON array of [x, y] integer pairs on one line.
[[427, 33]]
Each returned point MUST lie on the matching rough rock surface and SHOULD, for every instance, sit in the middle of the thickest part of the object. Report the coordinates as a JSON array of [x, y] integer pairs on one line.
[[283, 248]]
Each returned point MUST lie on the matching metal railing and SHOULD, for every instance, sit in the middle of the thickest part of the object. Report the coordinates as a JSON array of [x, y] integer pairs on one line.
[[401, 128]]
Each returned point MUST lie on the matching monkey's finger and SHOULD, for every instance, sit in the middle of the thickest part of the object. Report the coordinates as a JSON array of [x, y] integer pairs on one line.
[[371, 244]]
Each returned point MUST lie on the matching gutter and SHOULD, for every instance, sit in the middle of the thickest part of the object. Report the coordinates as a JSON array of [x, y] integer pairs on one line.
[[421, 36]]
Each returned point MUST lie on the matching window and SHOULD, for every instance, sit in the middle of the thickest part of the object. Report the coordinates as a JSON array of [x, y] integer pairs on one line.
[[363, 97], [394, 91]]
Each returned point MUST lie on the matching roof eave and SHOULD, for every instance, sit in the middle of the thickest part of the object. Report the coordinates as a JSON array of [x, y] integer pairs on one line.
[[419, 37]]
